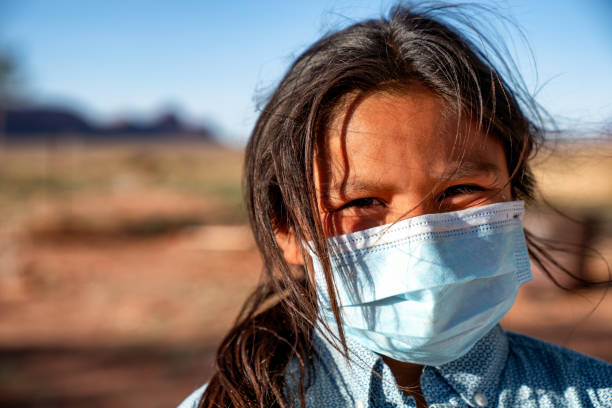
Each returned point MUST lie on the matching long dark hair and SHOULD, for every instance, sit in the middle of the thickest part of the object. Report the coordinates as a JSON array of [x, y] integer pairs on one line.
[[411, 46]]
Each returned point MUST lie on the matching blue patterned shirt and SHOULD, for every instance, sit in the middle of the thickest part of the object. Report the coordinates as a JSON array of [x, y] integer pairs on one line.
[[501, 370]]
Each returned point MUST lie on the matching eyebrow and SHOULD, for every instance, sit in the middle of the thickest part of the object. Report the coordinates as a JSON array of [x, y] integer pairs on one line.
[[468, 168], [357, 186]]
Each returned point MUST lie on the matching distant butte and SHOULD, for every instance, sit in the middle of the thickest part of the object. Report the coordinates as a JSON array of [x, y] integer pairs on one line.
[[31, 123]]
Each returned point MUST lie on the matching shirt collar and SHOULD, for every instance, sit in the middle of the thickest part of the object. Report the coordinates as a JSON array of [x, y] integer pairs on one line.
[[477, 373], [472, 376]]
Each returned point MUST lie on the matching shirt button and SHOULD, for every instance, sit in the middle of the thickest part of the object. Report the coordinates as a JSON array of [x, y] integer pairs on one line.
[[481, 400], [359, 404]]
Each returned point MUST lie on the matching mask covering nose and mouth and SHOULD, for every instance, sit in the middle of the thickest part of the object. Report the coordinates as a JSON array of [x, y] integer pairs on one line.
[[424, 290]]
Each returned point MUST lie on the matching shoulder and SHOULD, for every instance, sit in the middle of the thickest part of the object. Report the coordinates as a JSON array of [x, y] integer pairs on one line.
[[193, 399], [555, 372], [547, 356]]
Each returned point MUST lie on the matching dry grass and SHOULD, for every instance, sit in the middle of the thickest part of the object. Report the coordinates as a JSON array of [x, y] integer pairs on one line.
[[577, 177]]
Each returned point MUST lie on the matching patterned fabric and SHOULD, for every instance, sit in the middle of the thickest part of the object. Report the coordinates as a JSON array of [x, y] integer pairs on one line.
[[502, 370], [193, 399]]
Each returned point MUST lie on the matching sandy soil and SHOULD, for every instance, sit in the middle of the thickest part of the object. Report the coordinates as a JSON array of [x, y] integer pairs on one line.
[[118, 323]]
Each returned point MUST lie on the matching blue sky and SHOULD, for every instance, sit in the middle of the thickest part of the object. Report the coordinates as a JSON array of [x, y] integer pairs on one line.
[[209, 59]]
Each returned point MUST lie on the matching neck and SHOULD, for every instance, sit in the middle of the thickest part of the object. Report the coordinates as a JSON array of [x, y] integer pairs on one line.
[[408, 377]]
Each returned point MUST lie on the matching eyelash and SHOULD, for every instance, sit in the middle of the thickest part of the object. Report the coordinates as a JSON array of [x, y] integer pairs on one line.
[[460, 189], [449, 192], [362, 203]]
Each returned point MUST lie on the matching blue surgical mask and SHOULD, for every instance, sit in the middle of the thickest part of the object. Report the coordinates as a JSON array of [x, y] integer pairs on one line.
[[424, 290]]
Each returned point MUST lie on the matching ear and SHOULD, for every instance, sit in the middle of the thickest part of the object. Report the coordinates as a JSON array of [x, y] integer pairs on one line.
[[290, 247]]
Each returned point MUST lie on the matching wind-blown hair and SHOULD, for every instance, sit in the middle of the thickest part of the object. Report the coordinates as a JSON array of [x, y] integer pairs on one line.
[[412, 46]]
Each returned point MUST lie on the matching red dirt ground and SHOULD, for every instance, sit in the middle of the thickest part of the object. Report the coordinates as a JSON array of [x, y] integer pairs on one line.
[[102, 323]]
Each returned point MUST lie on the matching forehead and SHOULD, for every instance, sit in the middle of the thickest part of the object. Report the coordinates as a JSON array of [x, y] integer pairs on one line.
[[408, 131]]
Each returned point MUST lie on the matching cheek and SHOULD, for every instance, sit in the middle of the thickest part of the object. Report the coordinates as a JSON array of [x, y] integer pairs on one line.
[[338, 224], [507, 193]]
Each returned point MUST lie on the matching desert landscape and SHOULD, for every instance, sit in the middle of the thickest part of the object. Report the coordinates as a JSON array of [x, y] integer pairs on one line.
[[122, 265]]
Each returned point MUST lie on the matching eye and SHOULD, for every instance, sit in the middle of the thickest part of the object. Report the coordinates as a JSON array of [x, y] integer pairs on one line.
[[460, 189], [367, 202]]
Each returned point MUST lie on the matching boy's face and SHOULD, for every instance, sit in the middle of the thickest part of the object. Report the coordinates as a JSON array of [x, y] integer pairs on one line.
[[389, 156], [393, 155]]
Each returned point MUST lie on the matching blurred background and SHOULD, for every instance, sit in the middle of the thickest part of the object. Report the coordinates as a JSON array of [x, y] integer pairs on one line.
[[124, 250]]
